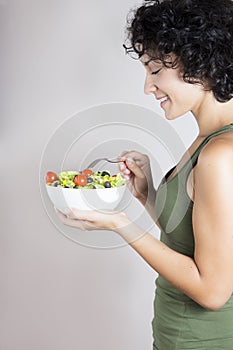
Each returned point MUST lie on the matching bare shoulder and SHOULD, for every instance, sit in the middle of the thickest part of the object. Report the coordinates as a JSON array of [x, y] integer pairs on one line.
[[214, 168], [218, 150]]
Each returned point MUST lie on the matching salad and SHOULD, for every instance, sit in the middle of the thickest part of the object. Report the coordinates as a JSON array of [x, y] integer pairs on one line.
[[84, 179]]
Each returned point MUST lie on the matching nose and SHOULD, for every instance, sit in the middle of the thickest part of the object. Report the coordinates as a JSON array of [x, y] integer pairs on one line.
[[149, 85]]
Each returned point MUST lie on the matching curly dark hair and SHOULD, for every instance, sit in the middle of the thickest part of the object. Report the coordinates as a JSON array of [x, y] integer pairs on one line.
[[198, 32]]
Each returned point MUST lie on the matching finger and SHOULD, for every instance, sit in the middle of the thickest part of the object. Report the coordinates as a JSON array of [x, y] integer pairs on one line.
[[123, 168], [136, 159], [124, 153], [140, 161], [65, 219], [79, 224], [69, 221], [133, 154], [132, 166], [89, 216], [124, 171], [85, 215], [60, 214], [127, 154]]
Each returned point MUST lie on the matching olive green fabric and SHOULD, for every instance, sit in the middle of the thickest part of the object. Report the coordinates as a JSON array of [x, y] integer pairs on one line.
[[179, 322]]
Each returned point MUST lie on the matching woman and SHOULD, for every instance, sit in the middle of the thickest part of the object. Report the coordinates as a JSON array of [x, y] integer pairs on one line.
[[186, 49]]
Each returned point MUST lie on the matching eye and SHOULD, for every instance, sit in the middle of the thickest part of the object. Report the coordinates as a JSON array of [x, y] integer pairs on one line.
[[156, 71]]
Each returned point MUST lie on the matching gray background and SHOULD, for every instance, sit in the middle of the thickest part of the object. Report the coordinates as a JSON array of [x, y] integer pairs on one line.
[[59, 57]]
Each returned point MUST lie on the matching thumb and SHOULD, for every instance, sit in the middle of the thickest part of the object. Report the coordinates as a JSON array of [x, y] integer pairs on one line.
[[132, 166]]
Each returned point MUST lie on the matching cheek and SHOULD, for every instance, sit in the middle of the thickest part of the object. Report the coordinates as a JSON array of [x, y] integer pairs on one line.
[[174, 84], [182, 100], [186, 93]]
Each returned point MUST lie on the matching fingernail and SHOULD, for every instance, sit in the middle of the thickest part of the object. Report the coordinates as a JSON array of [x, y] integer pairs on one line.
[[122, 166], [126, 177]]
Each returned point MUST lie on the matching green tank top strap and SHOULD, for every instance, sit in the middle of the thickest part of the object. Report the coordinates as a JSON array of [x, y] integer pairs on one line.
[[194, 157]]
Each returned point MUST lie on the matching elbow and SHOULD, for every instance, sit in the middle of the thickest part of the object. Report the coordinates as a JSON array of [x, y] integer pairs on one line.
[[214, 302], [213, 295], [213, 306]]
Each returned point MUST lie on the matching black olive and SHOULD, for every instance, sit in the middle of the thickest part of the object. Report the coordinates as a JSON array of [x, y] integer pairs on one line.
[[93, 187], [107, 184], [89, 180], [105, 173], [56, 183]]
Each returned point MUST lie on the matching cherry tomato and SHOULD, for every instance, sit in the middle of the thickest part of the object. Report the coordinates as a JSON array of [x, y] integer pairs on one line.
[[51, 177], [87, 172], [80, 180]]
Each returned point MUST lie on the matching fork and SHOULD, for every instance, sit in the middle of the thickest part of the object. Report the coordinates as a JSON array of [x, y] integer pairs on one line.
[[96, 161]]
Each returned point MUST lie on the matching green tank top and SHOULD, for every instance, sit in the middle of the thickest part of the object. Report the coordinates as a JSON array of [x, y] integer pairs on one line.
[[175, 325]]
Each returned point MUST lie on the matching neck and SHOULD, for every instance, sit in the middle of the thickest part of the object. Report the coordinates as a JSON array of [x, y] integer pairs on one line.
[[212, 115]]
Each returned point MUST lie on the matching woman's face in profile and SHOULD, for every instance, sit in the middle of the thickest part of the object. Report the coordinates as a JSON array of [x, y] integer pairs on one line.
[[167, 85]]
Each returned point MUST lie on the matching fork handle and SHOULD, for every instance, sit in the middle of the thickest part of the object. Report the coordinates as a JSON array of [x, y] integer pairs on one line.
[[96, 161], [92, 164]]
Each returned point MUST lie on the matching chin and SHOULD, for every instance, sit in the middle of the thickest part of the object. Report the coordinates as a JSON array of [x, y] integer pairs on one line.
[[170, 116]]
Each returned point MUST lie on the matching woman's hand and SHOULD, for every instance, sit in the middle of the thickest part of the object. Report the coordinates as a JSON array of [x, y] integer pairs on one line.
[[135, 168], [88, 220]]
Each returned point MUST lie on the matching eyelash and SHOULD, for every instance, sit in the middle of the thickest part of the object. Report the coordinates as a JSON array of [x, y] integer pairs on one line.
[[155, 72]]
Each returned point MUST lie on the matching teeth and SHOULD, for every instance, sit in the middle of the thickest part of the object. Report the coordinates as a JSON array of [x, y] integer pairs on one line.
[[164, 99]]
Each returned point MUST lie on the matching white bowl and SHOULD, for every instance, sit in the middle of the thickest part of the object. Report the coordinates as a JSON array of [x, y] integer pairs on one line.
[[85, 199]]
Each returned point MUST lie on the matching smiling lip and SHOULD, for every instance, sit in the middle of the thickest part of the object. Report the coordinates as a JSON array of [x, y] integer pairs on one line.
[[163, 102]]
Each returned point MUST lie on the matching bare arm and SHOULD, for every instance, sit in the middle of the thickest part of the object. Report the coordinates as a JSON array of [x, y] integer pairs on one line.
[[149, 204], [208, 278], [139, 179]]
